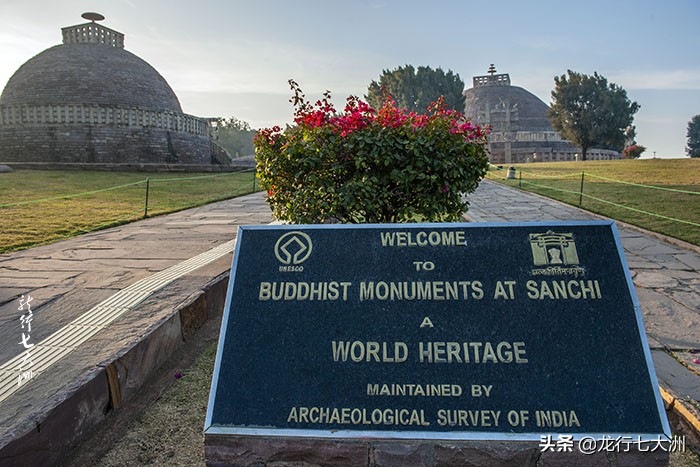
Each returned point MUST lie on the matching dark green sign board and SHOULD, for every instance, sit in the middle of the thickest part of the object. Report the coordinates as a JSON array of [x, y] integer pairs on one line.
[[456, 331]]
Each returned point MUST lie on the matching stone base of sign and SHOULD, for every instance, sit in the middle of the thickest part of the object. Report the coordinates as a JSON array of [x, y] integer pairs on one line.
[[230, 450]]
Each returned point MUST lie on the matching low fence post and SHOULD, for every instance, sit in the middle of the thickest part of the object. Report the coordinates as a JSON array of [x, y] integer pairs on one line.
[[254, 173], [520, 179], [580, 195], [145, 209]]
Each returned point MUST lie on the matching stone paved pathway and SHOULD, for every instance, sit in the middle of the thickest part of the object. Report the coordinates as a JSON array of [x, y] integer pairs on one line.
[[68, 278]]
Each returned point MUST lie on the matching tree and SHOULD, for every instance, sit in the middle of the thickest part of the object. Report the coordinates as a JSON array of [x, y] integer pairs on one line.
[[235, 136], [367, 166], [416, 89], [590, 112], [693, 135]]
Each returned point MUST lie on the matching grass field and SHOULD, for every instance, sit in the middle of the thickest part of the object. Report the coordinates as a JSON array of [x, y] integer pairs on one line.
[[645, 207], [24, 222], [30, 223]]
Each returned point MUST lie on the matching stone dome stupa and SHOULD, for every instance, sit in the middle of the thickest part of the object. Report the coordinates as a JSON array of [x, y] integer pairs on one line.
[[90, 101], [520, 128]]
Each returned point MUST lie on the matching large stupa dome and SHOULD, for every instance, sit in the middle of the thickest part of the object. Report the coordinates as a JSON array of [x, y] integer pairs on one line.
[[531, 111], [520, 128], [89, 74], [90, 102]]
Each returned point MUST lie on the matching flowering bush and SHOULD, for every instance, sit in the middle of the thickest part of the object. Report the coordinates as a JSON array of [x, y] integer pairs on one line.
[[363, 165], [633, 152]]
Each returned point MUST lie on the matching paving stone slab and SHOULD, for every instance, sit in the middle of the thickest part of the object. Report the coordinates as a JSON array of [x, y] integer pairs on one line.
[[692, 260], [655, 247], [685, 277], [640, 263], [689, 298], [29, 264], [48, 318], [674, 375], [670, 262], [654, 280], [9, 295], [671, 323], [34, 279]]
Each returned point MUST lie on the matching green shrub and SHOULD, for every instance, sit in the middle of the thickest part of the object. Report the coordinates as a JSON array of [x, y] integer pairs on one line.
[[363, 165]]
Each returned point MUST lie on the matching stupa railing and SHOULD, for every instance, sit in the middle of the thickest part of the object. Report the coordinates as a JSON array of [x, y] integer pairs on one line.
[[95, 115]]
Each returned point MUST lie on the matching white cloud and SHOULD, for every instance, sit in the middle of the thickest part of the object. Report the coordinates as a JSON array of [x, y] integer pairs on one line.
[[657, 79], [247, 67]]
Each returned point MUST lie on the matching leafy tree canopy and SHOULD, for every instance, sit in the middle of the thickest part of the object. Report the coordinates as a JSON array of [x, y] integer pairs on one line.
[[235, 136], [415, 89], [590, 112], [693, 135]]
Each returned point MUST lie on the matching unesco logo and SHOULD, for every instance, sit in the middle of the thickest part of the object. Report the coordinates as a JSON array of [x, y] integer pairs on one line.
[[292, 249]]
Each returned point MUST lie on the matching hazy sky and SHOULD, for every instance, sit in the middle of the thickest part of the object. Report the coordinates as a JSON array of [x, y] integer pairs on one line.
[[233, 58]]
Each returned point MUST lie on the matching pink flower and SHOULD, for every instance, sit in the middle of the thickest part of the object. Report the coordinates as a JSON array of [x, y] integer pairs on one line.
[[696, 360], [358, 115]]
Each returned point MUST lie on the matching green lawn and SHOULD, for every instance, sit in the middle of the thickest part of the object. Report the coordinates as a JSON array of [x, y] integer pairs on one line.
[[30, 222], [33, 223], [643, 206]]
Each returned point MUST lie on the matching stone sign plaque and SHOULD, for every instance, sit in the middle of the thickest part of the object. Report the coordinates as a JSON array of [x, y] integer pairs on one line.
[[433, 331]]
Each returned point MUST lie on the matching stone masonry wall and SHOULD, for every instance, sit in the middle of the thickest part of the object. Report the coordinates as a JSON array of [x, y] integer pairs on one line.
[[105, 144]]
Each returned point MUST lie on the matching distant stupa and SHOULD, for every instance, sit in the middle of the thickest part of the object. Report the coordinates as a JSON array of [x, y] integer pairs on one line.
[[520, 128]]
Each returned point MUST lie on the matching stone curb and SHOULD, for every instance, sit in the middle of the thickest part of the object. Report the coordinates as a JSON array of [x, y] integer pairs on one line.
[[683, 408], [46, 439]]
